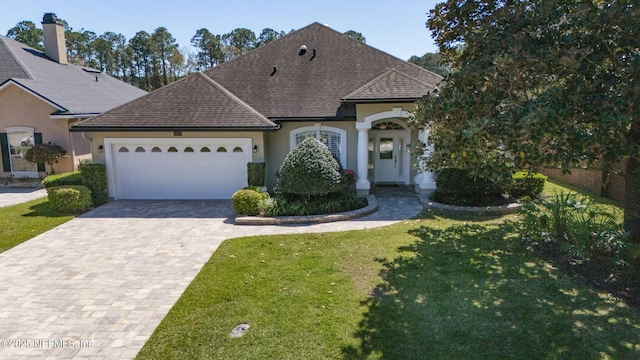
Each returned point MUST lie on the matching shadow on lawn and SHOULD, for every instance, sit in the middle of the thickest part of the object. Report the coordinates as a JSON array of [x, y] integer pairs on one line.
[[471, 292], [43, 210]]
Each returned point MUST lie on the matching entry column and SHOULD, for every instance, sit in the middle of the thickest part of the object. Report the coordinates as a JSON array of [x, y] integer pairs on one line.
[[363, 185], [425, 182]]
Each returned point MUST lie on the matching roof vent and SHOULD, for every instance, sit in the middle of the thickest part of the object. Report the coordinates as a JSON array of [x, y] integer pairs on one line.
[[275, 69], [303, 50]]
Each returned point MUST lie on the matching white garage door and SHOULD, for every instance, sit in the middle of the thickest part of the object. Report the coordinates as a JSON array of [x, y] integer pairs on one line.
[[177, 168]]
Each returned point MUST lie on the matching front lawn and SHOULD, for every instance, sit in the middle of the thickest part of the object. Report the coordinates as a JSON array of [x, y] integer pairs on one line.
[[19, 223], [431, 288]]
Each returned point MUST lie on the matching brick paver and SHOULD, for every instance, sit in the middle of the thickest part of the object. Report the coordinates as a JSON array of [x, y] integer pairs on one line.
[[97, 286]]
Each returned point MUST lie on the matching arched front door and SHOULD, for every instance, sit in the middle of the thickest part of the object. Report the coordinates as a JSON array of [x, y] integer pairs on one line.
[[388, 152]]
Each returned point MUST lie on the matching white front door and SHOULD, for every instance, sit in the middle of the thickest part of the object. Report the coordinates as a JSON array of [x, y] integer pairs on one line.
[[387, 159]]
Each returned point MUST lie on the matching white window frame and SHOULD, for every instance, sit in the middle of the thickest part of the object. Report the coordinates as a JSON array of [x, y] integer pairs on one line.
[[317, 128], [20, 129]]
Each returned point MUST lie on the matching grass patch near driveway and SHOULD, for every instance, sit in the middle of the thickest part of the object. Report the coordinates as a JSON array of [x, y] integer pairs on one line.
[[431, 288], [22, 222]]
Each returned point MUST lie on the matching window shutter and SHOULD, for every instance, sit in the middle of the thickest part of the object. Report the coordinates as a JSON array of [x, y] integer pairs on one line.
[[4, 149], [37, 139]]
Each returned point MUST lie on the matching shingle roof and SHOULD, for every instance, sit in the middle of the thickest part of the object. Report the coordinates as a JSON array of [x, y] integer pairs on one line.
[[312, 86], [195, 102], [274, 82], [72, 88], [391, 84]]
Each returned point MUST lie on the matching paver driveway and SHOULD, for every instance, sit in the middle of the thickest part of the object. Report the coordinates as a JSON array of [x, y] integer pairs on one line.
[[97, 286]]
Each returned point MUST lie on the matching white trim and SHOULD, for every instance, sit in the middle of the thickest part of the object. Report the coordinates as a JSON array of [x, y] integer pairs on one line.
[[35, 94], [394, 113], [19, 129], [73, 116], [317, 127]]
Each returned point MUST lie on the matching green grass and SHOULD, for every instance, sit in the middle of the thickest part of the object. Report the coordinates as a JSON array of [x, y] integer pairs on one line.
[[19, 223], [430, 288], [553, 186]]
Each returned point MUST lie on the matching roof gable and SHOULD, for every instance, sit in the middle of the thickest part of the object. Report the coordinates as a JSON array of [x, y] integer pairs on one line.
[[69, 86], [391, 85], [277, 81], [195, 102]]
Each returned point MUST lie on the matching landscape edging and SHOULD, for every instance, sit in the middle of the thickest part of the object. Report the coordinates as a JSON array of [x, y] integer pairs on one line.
[[372, 206], [475, 210]]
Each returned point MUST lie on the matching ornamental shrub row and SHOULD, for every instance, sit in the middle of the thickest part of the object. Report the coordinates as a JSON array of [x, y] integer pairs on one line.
[[69, 178], [68, 191], [459, 187]]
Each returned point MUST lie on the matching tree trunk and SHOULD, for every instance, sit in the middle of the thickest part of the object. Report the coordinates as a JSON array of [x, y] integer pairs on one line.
[[632, 199], [605, 180]]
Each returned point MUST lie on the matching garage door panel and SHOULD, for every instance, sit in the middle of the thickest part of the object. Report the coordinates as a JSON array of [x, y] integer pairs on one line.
[[157, 173]]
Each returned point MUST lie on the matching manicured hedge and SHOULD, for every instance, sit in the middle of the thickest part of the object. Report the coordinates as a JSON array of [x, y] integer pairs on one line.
[[94, 176], [71, 199], [527, 184], [459, 187], [255, 174], [69, 178]]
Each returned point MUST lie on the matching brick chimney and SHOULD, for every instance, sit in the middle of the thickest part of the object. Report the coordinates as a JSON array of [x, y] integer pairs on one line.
[[54, 42]]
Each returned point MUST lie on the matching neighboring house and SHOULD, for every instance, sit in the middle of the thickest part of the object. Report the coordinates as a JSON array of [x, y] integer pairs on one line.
[[193, 138], [41, 95]]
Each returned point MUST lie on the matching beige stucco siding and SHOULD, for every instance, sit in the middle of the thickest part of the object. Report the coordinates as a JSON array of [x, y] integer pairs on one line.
[[257, 138], [279, 145], [18, 107]]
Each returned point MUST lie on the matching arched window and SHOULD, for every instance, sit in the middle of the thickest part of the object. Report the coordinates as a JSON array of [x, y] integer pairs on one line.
[[334, 138], [123, 149], [237, 149], [188, 149], [387, 125], [156, 149], [172, 149], [205, 149], [221, 149], [139, 149]]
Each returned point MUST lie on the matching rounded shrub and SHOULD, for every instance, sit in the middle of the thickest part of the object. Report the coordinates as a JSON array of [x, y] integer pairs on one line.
[[71, 199], [248, 202], [310, 169]]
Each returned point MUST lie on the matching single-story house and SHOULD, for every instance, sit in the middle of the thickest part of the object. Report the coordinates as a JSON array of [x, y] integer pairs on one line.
[[192, 139], [41, 95]]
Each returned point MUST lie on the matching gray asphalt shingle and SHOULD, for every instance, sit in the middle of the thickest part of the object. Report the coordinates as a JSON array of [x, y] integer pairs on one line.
[[276, 82], [71, 87]]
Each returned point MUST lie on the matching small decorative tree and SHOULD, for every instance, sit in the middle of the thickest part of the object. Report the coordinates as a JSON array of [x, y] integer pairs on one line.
[[45, 153]]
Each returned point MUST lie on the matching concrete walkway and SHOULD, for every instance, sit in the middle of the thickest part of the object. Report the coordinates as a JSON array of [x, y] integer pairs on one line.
[[97, 286], [14, 196]]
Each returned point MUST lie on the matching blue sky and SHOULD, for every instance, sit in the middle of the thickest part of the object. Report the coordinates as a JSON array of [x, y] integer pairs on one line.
[[396, 27]]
